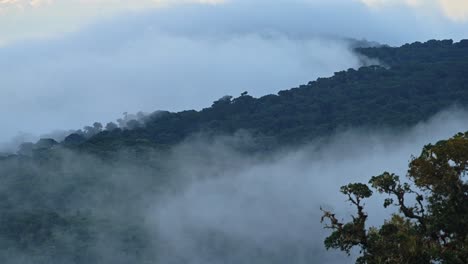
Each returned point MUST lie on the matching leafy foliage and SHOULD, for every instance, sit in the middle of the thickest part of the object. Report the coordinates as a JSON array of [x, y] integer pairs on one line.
[[433, 51], [434, 229]]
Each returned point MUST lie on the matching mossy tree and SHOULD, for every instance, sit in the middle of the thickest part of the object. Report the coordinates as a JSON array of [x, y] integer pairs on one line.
[[432, 223]]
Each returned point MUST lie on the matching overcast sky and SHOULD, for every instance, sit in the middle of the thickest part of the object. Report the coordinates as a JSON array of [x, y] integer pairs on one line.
[[68, 63]]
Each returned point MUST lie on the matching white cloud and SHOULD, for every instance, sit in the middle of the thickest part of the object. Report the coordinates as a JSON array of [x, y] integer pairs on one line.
[[135, 3], [26, 19], [383, 3], [22, 4], [455, 10]]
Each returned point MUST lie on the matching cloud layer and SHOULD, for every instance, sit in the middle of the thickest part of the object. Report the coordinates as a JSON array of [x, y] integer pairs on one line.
[[26, 19], [33, 19], [455, 10], [153, 62], [204, 202], [269, 210], [184, 56]]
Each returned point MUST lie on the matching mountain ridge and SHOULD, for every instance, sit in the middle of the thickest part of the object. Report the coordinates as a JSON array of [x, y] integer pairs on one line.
[[414, 82]]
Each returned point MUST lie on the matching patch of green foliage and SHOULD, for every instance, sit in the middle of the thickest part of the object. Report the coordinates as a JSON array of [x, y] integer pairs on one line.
[[432, 223]]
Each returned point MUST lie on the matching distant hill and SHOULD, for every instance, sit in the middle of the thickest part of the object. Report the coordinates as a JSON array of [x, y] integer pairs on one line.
[[413, 82]]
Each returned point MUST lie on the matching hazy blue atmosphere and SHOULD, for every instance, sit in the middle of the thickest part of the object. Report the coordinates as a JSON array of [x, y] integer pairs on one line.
[[234, 125], [184, 56]]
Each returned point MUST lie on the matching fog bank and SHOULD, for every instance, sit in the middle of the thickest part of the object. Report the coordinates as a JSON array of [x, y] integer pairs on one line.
[[238, 209], [204, 201]]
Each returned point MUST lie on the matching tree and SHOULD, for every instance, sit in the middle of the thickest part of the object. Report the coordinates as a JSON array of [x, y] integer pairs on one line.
[[74, 139], [432, 223], [97, 126], [225, 100], [111, 126], [26, 149]]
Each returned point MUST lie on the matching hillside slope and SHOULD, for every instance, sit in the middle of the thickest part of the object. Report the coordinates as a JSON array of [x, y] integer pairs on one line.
[[422, 79]]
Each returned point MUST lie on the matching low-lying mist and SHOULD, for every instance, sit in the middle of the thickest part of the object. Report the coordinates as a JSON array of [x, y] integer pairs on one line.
[[204, 201], [238, 209]]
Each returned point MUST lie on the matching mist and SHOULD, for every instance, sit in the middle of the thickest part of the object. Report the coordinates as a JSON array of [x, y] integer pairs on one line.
[[155, 71], [136, 63], [187, 56], [237, 209], [206, 200]]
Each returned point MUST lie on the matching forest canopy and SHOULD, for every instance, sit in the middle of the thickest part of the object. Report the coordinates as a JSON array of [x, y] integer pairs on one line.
[[413, 82]]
